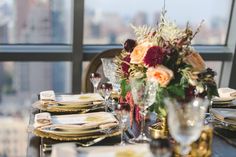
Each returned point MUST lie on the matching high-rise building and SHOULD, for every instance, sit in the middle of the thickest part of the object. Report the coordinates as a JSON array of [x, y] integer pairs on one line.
[[13, 137], [5, 16]]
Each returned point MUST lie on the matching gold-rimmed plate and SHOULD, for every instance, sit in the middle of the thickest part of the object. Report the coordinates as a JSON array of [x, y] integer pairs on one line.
[[73, 138], [52, 107], [74, 133]]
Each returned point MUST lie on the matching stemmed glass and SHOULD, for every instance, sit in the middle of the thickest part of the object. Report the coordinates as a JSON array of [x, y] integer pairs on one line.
[[106, 89], [185, 121], [144, 95], [122, 112], [109, 70], [95, 78]]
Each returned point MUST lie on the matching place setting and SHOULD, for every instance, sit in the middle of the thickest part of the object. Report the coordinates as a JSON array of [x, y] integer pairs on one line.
[[75, 126], [51, 102]]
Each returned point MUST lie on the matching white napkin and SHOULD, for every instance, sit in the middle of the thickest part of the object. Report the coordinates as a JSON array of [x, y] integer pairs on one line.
[[227, 93], [64, 150], [42, 119], [47, 95]]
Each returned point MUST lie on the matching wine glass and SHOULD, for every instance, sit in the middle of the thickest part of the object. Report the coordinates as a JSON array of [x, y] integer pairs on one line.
[[185, 120], [95, 78], [144, 95], [122, 112], [109, 70], [106, 89]]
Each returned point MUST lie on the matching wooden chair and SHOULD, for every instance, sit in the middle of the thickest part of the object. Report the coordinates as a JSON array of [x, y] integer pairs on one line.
[[96, 66]]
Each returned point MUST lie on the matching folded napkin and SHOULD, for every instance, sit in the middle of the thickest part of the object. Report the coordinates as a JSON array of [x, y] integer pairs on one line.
[[224, 115], [84, 121], [227, 93], [42, 119], [79, 98], [47, 95]]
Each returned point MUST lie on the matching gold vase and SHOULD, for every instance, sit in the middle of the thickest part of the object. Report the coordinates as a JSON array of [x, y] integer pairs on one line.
[[159, 129], [201, 147]]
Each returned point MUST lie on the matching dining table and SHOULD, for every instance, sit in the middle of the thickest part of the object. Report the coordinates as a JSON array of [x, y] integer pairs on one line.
[[223, 144]]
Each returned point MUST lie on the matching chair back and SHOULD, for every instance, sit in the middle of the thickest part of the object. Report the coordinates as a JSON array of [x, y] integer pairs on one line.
[[96, 66]]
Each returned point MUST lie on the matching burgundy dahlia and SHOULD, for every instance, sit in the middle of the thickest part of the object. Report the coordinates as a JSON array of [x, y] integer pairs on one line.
[[125, 66], [189, 93], [129, 45], [155, 55]]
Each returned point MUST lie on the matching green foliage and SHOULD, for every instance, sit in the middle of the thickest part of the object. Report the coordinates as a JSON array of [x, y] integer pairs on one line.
[[159, 106], [212, 90], [176, 90], [124, 88]]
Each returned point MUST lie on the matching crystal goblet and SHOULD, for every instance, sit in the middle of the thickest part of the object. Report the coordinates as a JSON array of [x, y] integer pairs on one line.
[[185, 121], [144, 95], [109, 70]]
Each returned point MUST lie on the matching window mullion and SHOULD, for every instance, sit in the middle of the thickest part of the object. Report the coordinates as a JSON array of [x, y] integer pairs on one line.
[[77, 45]]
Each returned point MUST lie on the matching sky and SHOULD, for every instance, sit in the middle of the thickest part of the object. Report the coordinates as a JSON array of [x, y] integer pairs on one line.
[[179, 10]]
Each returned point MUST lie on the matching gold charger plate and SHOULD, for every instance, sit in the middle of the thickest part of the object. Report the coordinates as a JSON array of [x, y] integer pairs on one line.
[[72, 138], [72, 133], [222, 124], [54, 108]]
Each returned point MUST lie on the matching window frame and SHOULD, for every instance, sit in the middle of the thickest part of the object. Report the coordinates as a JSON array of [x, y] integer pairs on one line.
[[78, 52]]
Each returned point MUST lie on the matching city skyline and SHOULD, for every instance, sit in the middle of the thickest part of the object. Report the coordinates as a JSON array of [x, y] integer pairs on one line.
[[50, 22], [180, 11]]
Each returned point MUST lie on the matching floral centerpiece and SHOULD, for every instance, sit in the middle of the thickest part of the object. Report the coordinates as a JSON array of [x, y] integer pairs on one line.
[[164, 53]]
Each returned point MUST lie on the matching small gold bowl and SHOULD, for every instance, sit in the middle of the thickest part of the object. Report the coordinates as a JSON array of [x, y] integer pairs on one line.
[[157, 131]]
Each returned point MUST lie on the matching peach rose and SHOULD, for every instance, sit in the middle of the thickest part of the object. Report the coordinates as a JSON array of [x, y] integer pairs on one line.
[[196, 61], [161, 74], [139, 52]]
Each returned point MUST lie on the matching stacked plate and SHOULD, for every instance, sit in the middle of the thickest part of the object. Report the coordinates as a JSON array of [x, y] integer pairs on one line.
[[219, 102], [224, 118], [71, 103], [76, 126], [226, 98]]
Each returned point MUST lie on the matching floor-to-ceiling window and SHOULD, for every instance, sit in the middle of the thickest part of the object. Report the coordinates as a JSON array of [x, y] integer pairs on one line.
[[43, 44]]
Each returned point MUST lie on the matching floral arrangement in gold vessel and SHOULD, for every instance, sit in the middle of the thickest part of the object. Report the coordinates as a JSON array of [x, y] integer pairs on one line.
[[164, 53]]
